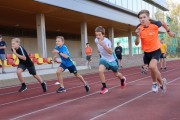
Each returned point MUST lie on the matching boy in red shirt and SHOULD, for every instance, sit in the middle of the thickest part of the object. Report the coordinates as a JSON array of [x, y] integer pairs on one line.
[[148, 33]]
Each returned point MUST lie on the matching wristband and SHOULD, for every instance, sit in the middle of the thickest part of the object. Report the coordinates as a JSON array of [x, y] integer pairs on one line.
[[168, 30]]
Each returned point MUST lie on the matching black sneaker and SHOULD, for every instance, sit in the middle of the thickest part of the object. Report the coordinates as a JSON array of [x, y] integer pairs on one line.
[[161, 68], [87, 88], [23, 88], [59, 90], [44, 86], [165, 68]]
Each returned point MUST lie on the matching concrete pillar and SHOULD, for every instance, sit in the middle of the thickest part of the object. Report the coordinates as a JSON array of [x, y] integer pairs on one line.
[[111, 36], [84, 38], [130, 42], [41, 35]]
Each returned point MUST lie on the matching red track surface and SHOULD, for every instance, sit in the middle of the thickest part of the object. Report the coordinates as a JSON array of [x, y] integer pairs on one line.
[[135, 102]]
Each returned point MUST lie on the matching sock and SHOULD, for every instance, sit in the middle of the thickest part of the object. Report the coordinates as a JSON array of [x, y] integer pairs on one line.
[[23, 84], [154, 82], [104, 85]]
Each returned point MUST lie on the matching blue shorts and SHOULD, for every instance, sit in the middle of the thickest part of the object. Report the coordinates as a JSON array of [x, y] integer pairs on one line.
[[2, 57], [72, 69], [109, 65]]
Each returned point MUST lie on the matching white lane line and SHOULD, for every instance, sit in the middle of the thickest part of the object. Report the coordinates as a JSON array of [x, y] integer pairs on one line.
[[56, 93], [72, 100], [53, 84], [129, 101], [68, 101]]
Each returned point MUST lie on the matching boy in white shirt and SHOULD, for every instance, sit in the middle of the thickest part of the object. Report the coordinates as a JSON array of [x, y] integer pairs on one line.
[[107, 60]]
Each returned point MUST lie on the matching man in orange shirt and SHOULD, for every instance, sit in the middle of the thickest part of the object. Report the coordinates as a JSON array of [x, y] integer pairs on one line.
[[148, 33], [88, 51]]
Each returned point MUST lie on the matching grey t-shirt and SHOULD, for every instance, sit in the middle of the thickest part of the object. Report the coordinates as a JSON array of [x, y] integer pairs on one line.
[[104, 54]]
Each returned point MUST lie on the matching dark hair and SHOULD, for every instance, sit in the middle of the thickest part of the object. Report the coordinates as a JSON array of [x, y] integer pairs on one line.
[[144, 12], [87, 43], [60, 37], [117, 43], [0, 36], [100, 29]]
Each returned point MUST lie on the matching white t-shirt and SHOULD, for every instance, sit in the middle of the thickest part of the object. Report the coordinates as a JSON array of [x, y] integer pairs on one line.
[[104, 54]]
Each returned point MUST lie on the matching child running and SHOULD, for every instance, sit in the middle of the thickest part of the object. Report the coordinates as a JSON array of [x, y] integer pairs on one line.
[[148, 33], [107, 60], [67, 63], [25, 63]]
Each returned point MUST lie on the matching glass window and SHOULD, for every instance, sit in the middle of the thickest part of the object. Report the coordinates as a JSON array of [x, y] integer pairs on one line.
[[135, 8], [139, 5], [125, 3], [112, 1], [119, 2], [130, 4]]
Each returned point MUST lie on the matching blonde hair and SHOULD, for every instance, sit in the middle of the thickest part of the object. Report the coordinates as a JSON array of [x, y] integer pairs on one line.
[[16, 40]]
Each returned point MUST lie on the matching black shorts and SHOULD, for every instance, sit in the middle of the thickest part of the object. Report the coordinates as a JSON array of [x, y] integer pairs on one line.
[[148, 56], [163, 55], [119, 57], [72, 69], [31, 69], [88, 57]]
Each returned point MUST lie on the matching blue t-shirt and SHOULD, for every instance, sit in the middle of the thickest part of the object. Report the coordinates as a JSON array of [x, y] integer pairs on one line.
[[2, 43], [65, 61]]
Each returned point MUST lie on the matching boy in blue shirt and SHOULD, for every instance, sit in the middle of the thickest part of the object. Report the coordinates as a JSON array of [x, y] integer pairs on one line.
[[66, 63]]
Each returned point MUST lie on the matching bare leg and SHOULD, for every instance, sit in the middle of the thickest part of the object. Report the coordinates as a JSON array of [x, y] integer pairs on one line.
[[59, 76], [2, 66], [38, 78], [155, 74], [81, 78], [164, 62], [161, 62], [120, 62], [101, 73], [19, 74], [118, 74]]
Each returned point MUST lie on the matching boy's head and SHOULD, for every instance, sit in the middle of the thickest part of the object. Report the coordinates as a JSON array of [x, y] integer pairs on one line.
[[100, 32], [59, 40], [118, 44], [15, 43], [87, 44], [162, 40], [144, 18]]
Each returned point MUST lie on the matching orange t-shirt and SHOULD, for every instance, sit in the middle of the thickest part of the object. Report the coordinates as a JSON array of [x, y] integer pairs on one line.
[[88, 51], [149, 38]]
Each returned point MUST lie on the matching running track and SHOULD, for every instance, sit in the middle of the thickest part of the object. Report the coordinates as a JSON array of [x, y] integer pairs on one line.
[[135, 102]]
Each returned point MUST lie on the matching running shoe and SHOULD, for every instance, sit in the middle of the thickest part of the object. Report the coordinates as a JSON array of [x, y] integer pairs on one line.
[[155, 87], [87, 87], [44, 86], [61, 89], [103, 90], [123, 82], [23, 88], [163, 87]]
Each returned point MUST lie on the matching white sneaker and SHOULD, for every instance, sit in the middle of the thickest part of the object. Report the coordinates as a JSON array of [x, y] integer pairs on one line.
[[163, 87], [155, 88], [89, 67]]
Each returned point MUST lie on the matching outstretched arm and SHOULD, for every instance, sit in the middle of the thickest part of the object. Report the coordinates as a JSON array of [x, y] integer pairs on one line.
[[60, 53], [164, 25], [137, 40]]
